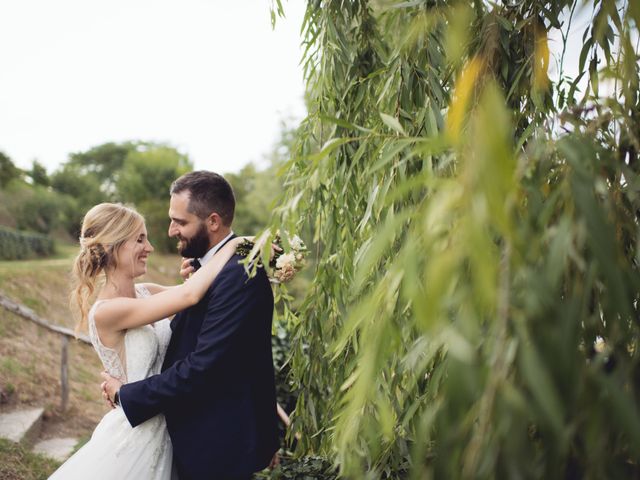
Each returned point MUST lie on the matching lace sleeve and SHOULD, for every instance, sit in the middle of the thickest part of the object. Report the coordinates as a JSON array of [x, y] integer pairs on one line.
[[142, 291]]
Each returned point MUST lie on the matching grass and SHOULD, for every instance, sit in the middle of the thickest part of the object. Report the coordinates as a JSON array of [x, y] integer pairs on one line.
[[9, 366], [81, 442], [63, 256], [18, 463]]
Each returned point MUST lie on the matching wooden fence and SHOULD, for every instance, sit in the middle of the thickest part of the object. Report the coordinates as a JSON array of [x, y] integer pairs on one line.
[[65, 334]]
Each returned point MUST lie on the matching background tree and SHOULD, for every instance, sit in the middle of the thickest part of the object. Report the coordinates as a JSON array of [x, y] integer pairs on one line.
[[79, 189], [36, 208], [257, 189], [144, 180], [147, 173], [473, 312], [70, 180], [39, 174], [8, 171], [104, 162]]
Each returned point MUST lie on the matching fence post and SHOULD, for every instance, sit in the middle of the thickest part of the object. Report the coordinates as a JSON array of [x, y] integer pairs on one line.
[[64, 373]]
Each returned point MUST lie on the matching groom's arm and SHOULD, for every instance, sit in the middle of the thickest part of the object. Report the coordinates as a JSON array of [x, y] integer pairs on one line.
[[235, 298]]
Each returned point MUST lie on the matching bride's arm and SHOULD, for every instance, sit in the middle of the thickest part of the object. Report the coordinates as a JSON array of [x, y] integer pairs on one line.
[[123, 313]]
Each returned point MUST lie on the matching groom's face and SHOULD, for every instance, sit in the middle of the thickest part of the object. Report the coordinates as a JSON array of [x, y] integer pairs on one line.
[[190, 230]]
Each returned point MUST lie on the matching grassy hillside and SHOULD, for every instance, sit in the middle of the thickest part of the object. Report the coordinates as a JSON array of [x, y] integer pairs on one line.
[[30, 355], [20, 464]]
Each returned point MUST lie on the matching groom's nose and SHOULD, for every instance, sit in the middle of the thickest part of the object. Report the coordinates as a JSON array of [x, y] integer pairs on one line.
[[173, 230]]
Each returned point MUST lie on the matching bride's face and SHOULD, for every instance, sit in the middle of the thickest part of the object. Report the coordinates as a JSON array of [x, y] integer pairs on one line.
[[134, 253]]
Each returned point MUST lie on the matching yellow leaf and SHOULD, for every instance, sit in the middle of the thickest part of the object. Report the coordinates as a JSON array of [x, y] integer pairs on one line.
[[541, 60], [461, 97]]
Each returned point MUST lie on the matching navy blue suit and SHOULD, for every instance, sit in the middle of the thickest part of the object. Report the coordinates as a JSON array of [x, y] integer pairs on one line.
[[216, 389]]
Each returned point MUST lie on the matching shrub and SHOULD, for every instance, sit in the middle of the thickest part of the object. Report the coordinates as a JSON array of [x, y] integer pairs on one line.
[[16, 245], [310, 467]]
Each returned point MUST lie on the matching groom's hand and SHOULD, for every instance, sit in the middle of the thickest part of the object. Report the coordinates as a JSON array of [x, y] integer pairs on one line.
[[109, 388]]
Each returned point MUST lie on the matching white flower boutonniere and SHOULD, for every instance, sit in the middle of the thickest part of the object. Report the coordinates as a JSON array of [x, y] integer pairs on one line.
[[284, 263]]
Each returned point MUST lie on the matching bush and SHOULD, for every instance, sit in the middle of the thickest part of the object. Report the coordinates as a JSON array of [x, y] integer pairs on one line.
[[7, 218], [34, 207], [311, 468], [15, 245]]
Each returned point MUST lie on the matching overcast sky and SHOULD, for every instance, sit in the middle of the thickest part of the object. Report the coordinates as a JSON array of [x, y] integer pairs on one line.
[[210, 77]]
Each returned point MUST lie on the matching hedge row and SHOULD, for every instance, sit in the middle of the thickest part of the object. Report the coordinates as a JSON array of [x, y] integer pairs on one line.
[[15, 245]]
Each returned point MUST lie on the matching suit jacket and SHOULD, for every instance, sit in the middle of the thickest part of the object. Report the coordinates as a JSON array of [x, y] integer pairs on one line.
[[217, 387]]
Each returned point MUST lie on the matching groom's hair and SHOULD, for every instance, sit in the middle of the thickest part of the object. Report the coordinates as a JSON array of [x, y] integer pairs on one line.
[[208, 193]]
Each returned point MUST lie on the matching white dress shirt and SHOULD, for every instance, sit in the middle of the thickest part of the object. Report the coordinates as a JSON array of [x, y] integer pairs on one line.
[[212, 251]]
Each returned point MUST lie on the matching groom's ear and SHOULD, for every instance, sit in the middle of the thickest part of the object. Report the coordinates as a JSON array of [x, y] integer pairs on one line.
[[213, 222]]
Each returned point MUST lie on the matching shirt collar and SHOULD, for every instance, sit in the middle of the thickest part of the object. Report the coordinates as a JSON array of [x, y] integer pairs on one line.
[[212, 251]]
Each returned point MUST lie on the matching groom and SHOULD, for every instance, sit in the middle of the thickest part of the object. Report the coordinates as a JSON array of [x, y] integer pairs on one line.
[[216, 388]]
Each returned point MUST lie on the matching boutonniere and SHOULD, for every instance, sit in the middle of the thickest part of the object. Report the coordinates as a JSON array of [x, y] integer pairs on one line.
[[285, 260]]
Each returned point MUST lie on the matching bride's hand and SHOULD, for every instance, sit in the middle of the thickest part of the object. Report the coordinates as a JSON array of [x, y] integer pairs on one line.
[[110, 386], [239, 240], [274, 248], [186, 269]]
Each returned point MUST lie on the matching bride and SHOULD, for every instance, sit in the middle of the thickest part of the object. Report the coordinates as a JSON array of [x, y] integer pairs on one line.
[[129, 329]]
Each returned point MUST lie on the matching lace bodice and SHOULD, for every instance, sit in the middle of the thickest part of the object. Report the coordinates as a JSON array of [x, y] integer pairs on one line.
[[143, 349]]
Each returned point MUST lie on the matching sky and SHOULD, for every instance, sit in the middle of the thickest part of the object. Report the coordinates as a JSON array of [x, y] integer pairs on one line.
[[211, 78]]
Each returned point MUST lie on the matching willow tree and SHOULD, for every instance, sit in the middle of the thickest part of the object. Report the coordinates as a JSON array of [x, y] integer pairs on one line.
[[474, 308]]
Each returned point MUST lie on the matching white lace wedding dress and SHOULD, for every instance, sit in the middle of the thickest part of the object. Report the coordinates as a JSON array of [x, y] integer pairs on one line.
[[116, 451]]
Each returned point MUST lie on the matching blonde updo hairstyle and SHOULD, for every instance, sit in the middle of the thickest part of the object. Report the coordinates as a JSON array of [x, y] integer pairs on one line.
[[105, 228]]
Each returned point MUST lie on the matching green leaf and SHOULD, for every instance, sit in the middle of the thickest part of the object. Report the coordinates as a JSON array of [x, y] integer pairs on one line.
[[622, 409], [383, 239], [344, 124], [586, 48], [392, 123], [389, 152], [329, 147], [541, 386], [506, 24]]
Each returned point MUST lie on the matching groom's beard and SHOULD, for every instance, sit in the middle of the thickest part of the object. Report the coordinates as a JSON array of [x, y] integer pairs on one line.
[[196, 246]]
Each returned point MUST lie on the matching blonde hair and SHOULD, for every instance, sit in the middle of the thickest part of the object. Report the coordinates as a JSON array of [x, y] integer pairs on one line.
[[105, 228]]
